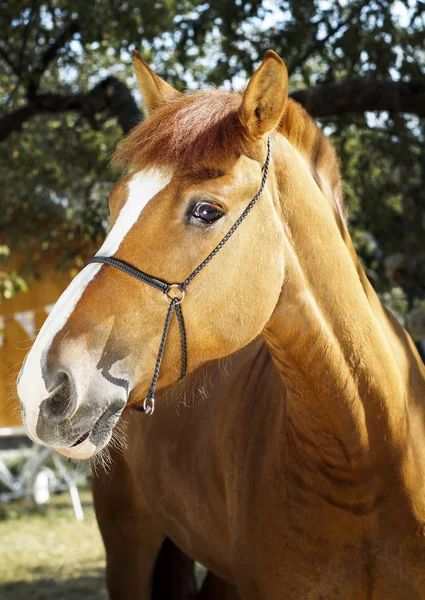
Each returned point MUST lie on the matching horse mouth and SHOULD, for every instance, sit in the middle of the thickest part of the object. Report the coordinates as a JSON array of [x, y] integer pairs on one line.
[[97, 437], [81, 439], [100, 432]]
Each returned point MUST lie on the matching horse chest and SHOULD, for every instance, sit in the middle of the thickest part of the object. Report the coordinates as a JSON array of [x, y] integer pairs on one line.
[[244, 515], [308, 552]]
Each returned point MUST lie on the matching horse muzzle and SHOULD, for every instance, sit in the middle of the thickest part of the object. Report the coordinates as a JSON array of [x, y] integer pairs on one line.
[[82, 433], [76, 420]]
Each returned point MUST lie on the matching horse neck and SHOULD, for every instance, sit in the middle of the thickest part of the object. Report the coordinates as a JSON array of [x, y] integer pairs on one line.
[[351, 371]]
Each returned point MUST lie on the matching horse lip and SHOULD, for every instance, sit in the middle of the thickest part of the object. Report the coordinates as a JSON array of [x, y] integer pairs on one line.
[[81, 439], [106, 421]]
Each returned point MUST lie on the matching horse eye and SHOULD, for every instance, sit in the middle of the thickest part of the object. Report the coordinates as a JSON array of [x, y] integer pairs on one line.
[[206, 213]]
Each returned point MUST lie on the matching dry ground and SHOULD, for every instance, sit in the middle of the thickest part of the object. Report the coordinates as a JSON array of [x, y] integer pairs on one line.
[[49, 554]]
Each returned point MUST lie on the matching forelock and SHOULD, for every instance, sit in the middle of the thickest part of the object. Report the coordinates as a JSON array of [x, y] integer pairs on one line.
[[185, 131]]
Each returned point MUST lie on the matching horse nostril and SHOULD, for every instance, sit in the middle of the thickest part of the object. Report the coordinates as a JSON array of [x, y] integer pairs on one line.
[[61, 404], [53, 380]]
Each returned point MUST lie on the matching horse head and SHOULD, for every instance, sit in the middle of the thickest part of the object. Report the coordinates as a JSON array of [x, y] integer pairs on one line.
[[190, 170]]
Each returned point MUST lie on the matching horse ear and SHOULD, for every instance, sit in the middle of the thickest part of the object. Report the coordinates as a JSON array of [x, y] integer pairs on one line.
[[154, 90], [264, 99]]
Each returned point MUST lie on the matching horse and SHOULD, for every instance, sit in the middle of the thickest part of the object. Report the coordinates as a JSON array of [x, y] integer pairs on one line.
[[289, 459]]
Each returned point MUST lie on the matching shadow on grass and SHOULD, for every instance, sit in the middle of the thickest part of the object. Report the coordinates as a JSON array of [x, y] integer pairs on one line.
[[87, 587]]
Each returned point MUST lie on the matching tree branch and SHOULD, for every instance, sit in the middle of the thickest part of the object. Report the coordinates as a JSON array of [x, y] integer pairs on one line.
[[318, 44], [110, 96], [67, 34], [360, 96], [332, 31], [20, 68], [25, 36]]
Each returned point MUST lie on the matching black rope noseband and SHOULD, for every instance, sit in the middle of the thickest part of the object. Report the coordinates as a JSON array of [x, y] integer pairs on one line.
[[175, 293]]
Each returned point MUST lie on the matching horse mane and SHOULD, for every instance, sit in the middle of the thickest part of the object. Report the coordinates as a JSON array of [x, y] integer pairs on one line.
[[306, 136], [193, 127]]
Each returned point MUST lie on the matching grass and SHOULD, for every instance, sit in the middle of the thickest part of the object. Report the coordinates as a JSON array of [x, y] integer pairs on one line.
[[48, 554]]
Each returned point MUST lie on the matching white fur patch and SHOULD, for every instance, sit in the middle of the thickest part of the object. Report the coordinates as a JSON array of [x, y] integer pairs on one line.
[[142, 188], [31, 387]]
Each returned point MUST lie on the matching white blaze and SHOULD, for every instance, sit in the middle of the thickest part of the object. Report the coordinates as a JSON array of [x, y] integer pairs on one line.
[[31, 387]]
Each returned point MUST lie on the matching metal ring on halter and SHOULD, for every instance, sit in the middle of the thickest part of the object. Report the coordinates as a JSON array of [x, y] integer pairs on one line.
[[148, 408], [170, 298]]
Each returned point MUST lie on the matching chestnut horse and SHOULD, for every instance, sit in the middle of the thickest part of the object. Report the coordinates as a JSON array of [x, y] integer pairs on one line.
[[301, 473]]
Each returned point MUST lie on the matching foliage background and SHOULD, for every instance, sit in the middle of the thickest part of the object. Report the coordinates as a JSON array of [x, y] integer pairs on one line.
[[68, 94]]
